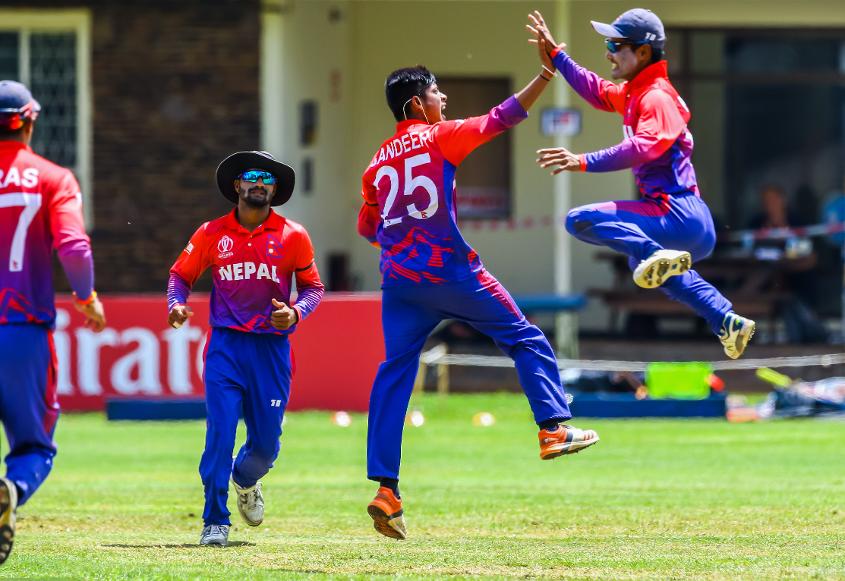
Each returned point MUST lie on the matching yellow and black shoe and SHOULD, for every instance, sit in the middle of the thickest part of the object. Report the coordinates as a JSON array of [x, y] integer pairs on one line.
[[657, 268], [735, 334], [8, 504]]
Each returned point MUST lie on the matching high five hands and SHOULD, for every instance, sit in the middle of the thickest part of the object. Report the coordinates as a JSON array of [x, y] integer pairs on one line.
[[542, 36], [559, 158]]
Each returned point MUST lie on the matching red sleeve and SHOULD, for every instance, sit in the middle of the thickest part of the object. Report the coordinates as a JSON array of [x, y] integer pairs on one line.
[[194, 259], [457, 139], [368, 217], [66, 222]]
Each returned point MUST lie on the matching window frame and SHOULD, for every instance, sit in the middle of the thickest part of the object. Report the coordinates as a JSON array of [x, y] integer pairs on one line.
[[78, 21]]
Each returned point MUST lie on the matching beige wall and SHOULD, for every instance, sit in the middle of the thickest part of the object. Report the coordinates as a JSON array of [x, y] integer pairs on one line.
[[369, 38]]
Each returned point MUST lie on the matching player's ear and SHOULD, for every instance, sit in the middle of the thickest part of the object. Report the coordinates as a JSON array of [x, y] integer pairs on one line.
[[237, 184]]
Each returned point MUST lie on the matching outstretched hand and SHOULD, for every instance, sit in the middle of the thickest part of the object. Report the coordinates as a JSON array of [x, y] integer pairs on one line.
[[562, 158], [542, 35]]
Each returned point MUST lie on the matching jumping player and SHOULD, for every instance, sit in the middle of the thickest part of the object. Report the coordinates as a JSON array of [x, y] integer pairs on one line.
[[670, 225], [253, 253], [40, 211], [430, 273]]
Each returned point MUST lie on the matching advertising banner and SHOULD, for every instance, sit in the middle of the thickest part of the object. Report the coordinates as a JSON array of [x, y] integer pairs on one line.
[[337, 351]]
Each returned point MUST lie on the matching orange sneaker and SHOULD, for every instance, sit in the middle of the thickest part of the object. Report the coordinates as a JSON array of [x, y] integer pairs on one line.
[[565, 440], [386, 511]]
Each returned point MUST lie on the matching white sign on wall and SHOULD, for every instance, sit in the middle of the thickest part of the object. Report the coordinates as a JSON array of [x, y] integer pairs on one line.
[[562, 121]]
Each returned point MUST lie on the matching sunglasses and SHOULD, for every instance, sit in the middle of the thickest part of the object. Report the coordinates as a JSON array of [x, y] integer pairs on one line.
[[254, 175], [614, 46]]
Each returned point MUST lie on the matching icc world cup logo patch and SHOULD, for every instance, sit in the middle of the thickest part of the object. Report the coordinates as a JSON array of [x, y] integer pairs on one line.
[[224, 247]]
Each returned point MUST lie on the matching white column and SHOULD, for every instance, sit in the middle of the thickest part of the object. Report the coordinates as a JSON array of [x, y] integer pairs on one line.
[[272, 68], [566, 328]]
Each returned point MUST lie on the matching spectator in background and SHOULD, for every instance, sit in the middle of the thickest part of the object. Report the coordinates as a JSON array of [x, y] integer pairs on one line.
[[801, 322], [774, 210]]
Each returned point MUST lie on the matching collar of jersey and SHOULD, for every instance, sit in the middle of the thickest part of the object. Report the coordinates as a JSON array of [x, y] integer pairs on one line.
[[273, 222], [403, 125], [13, 145], [648, 75]]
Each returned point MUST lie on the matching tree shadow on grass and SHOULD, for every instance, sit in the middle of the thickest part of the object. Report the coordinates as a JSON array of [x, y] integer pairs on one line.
[[177, 546]]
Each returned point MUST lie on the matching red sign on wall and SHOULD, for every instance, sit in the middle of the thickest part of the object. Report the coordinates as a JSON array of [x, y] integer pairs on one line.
[[337, 352]]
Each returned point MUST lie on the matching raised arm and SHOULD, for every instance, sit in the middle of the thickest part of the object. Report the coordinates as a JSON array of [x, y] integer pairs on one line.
[[598, 92], [457, 139]]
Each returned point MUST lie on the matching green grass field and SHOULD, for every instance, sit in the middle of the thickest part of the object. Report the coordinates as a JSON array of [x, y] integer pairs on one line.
[[653, 500]]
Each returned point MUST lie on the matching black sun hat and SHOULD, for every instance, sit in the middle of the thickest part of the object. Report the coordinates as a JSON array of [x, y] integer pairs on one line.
[[233, 166]]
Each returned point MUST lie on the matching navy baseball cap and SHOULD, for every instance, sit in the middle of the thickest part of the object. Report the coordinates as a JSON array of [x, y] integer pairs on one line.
[[637, 25], [16, 105]]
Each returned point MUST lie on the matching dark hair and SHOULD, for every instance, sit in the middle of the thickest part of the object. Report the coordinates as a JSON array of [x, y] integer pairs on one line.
[[656, 54], [403, 84]]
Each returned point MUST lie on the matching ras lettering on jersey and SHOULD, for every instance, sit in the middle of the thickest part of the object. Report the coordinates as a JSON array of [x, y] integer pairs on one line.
[[28, 178], [248, 271]]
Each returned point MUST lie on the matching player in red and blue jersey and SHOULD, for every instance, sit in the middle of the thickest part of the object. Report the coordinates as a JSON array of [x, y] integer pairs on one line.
[[670, 225], [431, 273], [253, 253], [40, 211]]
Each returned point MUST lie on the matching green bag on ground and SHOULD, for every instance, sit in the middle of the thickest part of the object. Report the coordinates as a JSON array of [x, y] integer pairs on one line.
[[674, 380]]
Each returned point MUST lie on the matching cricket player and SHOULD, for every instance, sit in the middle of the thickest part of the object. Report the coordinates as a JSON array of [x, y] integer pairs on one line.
[[670, 226], [40, 211], [431, 273], [253, 253]]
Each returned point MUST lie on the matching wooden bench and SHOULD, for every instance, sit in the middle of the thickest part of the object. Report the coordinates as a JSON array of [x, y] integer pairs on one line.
[[756, 288], [763, 306], [566, 324]]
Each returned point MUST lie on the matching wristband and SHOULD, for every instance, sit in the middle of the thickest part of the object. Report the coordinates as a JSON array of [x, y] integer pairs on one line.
[[548, 70], [87, 301], [547, 79]]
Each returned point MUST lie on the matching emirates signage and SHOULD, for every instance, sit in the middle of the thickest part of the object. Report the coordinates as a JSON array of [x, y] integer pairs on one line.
[[138, 355]]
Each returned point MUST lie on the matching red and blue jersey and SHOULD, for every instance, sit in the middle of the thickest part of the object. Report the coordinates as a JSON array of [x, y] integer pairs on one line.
[[409, 197], [657, 144], [40, 211], [249, 269]]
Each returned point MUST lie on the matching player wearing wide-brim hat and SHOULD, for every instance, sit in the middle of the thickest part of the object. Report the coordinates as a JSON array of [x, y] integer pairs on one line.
[[670, 226], [253, 253], [234, 166]]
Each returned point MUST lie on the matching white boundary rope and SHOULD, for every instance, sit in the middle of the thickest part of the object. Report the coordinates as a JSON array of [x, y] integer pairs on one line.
[[438, 356]]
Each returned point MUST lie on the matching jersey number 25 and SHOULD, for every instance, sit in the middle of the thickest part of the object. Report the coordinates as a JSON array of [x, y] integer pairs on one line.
[[411, 184]]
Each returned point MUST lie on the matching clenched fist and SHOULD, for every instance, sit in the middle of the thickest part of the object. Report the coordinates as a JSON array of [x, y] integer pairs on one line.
[[284, 316]]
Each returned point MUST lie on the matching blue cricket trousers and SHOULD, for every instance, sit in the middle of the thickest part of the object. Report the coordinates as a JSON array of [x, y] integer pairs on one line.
[[640, 228], [409, 314], [29, 406], [250, 371]]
